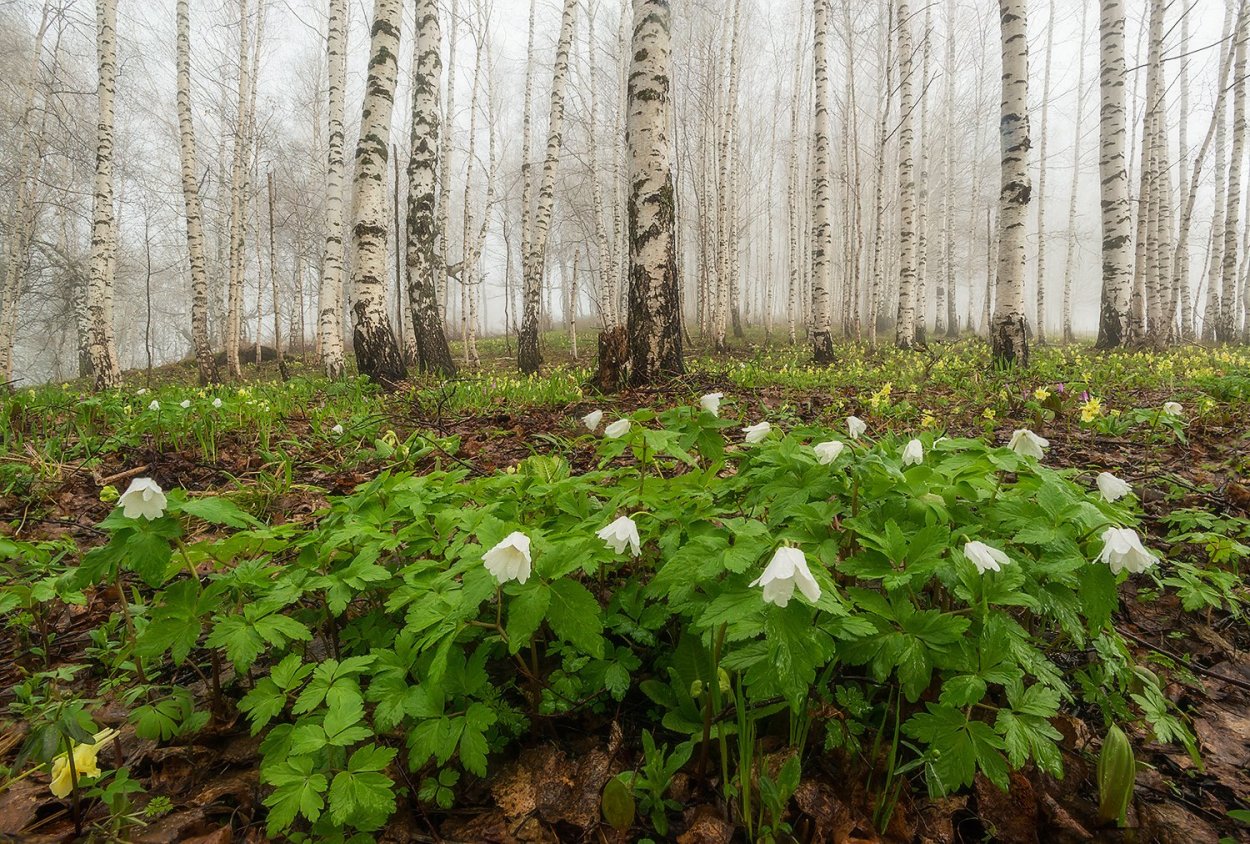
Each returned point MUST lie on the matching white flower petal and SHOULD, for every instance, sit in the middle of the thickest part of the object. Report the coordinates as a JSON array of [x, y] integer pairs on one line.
[[913, 453], [711, 403], [143, 497], [856, 426], [1111, 488], [985, 557], [591, 420], [620, 534], [787, 569], [1028, 444], [756, 433], [1123, 551], [828, 452], [510, 558], [617, 429]]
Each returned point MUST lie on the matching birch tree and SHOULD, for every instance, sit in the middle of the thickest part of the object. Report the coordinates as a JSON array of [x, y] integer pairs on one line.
[[102, 349], [238, 202], [905, 326], [21, 220], [948, 180], [330, 297], [529, 358], [424, 266], [922, 191], [205, 364], [1226, 327], [1041, 178], [1008, 333], [654, 317], [822, 195], [1069, 262], [377, 353], [1117, 268]]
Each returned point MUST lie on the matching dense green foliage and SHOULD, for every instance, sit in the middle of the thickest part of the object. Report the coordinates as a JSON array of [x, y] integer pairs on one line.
[[373, 636]]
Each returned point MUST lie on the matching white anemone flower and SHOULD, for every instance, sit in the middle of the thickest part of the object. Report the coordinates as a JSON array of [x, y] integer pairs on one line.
[[621, 533], [155, 405], [185, 404], [913, 453], [1028, 444], [217, 403], [828, 452], [617, 429], [756, 433], [142, 391], [1122, 551], [591, 420], [856, 426], [787, 569], [984, 557], [337, 430], [510, 559], [711, 403], [143, 497], [1173, 408], [1112, 488]]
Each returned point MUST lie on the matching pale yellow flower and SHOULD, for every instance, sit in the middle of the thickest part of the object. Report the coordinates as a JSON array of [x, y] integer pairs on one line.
[[85, 763]]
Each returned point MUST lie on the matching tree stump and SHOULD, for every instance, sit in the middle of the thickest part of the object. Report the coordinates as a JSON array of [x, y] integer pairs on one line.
[[613, 369]]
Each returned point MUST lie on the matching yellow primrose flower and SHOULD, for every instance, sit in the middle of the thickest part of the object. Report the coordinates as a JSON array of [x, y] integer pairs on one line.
[[1091, 410], [85, 763], [928, 420], [988, 413], [1041, 394]]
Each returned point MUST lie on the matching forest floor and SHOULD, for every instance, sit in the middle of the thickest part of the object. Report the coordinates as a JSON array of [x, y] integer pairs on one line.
[[271, 452]]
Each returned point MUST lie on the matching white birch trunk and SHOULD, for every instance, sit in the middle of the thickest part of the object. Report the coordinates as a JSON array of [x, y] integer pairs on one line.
[[102, 350], [822, 195], [330, 296], [445, 165], [529, 357], [1041, 179], [1180, 296], [571, 307], [377, 354], [948, 178], [191, 200], [1069, 262], [1117, 268], [1008, 333], [423, 259], [1226, 328], [920, 300], [607, 270], [238, 205], [654, 327], [905, 325]]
